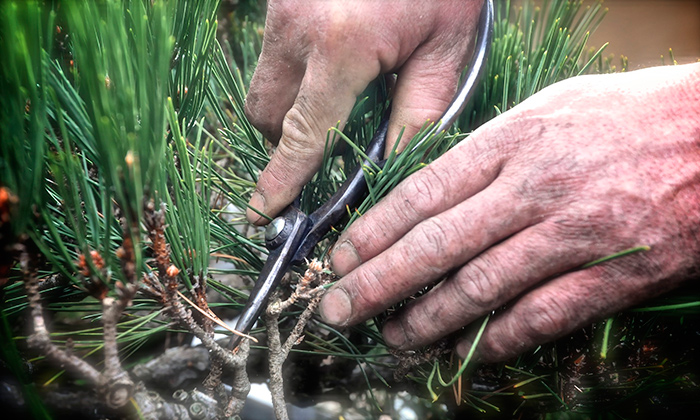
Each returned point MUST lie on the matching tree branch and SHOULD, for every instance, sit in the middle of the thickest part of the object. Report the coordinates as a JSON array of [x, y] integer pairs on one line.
[[40, 338], [114, 383], [310, 288], [222, 358]]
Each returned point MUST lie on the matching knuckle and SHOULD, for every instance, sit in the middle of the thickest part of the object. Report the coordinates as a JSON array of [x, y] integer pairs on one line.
[[417, 328], [502, 339], [548, 180], [413, 199], [532, 191], [569, 229], [579, 231], [433, 251], [496, 141], [290, 152], [476, 285], [297, 128], [369, 292], [365, 237], [527, 187], [495, 347], [546, 321], [278, 173], [422, 194]]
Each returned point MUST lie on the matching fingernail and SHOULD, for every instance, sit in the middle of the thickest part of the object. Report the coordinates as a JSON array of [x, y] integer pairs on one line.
[[335, 307], [464, 347], [257, 202], [344, 258], [394, 334]]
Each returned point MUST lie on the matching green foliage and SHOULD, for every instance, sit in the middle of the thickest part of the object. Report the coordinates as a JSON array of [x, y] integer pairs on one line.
[[152, 107], [95, 132], [122, 52], [534, 47], [24, 34], [185, 189], [195, 34]]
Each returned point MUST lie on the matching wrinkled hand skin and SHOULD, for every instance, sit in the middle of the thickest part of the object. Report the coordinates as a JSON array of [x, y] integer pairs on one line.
[[318, 55], [584, 169]]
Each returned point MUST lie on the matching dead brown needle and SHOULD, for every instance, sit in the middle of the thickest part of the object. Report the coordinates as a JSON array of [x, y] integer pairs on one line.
[[216, 319]]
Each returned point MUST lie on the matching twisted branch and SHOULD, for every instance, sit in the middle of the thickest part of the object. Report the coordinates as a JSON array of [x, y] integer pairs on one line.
[[222, 358], [310, 288]]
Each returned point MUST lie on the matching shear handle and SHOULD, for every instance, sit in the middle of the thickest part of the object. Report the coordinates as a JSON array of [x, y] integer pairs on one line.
[[349, 194]]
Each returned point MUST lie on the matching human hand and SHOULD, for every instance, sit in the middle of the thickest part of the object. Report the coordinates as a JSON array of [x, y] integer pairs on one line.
[[317, 56], [584, 169]]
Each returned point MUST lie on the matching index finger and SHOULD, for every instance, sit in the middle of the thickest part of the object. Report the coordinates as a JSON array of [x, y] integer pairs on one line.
[[432, 190], [325, 99], [397, 251], [426, 253]]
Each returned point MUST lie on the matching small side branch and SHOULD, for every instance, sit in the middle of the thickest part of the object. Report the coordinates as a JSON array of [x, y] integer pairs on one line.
[[311, 289], [184, 316], [114, 383], [118, 386], [40, 338], [165, 287], [224, 358], [240, 385]]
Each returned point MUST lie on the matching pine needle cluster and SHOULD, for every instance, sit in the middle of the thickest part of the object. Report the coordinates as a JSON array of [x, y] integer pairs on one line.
[[126, 163]]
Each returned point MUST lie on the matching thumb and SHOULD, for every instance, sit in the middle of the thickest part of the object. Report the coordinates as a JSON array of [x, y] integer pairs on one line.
[[324, 100]]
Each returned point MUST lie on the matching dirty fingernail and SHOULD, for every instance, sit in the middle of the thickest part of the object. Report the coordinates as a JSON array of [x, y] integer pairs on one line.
[[344, 258], [257, 202], [464, 347], [394, 334], [335, 307]]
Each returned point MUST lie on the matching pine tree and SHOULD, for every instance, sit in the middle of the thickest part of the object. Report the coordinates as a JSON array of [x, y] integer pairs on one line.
[[126, 163]]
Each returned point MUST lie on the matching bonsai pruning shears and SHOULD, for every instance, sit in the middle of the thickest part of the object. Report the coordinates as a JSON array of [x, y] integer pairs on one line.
[[292, 236]]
